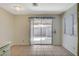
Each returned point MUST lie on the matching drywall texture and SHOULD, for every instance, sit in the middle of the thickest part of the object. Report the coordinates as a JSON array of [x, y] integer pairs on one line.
[[70, 41], [6, 27], [22, 30]]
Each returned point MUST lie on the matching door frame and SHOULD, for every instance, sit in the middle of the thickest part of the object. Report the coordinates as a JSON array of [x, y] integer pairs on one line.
[[30, 34], [78, 27]]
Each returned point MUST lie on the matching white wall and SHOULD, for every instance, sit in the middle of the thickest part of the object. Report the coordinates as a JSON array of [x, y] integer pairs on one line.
[[57, 26], [70, 42], [22, 30], [6, 27]]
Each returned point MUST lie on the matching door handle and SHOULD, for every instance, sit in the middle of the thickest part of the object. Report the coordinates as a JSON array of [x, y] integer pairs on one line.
[[54, 31]]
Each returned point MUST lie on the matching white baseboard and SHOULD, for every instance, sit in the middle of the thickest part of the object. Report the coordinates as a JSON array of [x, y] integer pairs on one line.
[[19, 44]]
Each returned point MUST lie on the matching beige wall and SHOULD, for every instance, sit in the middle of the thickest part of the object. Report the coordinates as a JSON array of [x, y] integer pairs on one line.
[[6, 27], [70, 41], [22, 30], [15, 29]]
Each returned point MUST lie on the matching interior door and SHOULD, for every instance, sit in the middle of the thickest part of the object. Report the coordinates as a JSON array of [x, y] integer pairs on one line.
[[41, 31]]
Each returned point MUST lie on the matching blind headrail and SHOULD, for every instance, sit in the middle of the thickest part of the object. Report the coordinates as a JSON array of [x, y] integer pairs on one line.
[[42, 17]]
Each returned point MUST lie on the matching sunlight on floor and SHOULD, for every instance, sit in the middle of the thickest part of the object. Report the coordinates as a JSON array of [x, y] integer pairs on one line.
[[39, 50]]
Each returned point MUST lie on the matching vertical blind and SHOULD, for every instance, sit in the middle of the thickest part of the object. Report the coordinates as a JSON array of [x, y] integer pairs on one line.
[[41, 30]]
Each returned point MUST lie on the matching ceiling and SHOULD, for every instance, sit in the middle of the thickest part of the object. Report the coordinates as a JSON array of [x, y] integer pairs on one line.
[[41, 8]]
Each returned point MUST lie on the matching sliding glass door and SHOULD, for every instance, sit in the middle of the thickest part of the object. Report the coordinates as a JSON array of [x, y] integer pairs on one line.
[[41, 31]]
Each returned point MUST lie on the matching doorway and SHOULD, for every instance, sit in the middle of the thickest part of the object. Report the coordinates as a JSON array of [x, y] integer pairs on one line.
[[41, 31]]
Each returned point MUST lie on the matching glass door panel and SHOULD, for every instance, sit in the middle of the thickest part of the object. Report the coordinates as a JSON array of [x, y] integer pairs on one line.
[[41, 31], [46, 31], [36, 31]]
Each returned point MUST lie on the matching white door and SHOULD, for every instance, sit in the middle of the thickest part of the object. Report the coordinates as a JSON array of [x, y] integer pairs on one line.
[[41, 31]]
